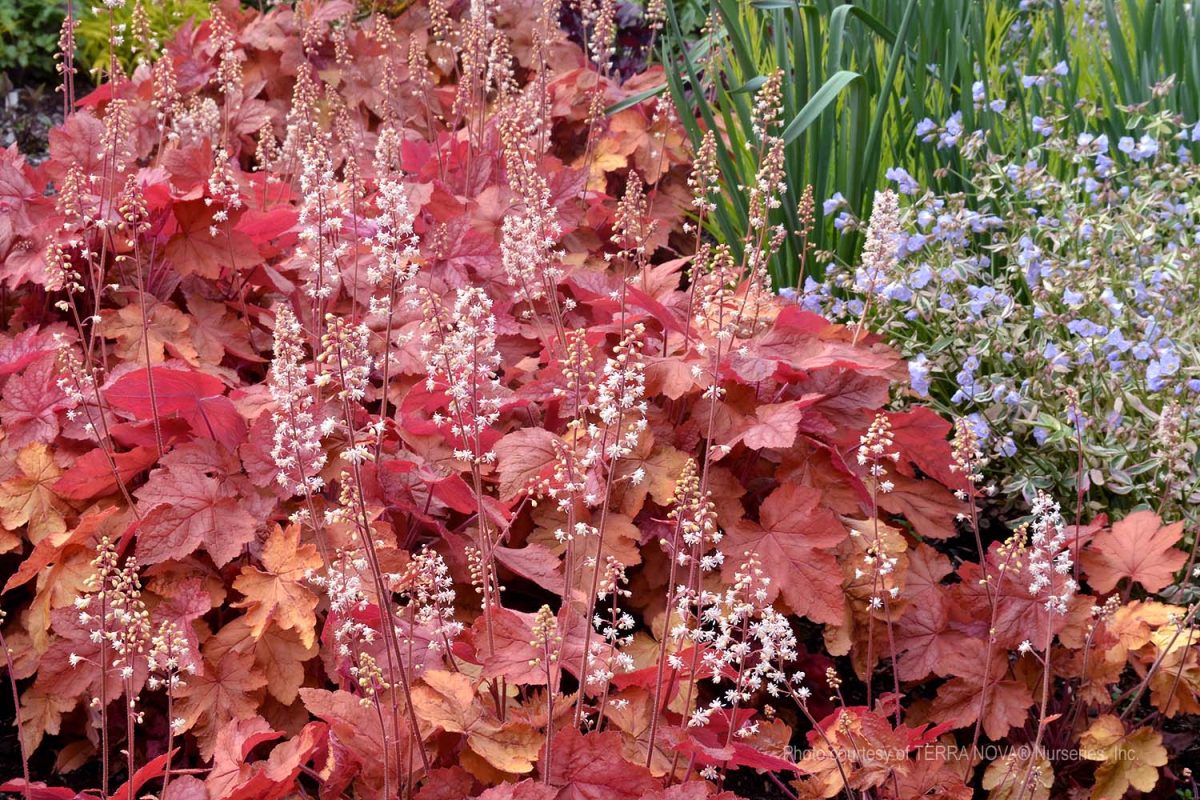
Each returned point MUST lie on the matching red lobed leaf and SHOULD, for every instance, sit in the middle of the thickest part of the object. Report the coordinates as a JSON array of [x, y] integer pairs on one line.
[[184, 508], [92, 473], [590, 767], [794, 540], [195, 250], [196, 397]]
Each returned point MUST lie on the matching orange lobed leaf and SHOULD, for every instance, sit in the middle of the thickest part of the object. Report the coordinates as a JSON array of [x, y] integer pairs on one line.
[[794, 539], [29, 497], [1139, 548], [278, 593], [524, 457], [228, 688], [450, 701], [1127, 759]]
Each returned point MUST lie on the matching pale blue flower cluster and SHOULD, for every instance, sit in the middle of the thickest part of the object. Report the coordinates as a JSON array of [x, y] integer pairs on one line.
[[1073, 264]]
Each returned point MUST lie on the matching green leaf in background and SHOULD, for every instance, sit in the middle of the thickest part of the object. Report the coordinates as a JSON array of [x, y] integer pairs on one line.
[[859, 78], [816, 104]]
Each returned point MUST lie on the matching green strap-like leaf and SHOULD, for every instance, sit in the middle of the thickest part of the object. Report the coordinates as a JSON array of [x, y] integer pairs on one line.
[[634, 99], [816, 104], [776, 5]]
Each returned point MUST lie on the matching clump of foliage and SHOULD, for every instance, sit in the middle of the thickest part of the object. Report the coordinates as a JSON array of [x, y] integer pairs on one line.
[[861, 76], [378, 421], [130, 32], [29, 38], [1053, 312], [839, 63]]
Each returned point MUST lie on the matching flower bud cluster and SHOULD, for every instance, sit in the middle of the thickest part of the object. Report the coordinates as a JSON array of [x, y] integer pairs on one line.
[[296, 448], [462, 360], [1049, 557]]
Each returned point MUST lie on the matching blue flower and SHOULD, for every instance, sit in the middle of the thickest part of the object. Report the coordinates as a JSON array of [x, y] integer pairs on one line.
[[812, 303], [1167, 364], [921, 277], [1117, 342], [925, 129], [1147, 147], [998, 105], [814, 294], [954, 129], [905, 183], [919, 374], [965, 378], [833, 204], [1061, 68], [1040, 435], [981, 297], [1085, 327], [1057, 358], [910, 245]]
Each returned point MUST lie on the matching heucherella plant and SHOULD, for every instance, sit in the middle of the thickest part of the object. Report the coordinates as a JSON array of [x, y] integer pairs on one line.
[[1051, 313]]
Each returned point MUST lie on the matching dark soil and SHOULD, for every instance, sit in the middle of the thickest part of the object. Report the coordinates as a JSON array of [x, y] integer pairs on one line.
[[27, 113], [41, 766]]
